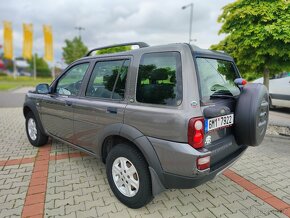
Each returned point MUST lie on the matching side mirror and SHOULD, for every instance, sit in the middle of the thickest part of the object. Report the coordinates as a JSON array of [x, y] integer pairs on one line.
[[42, 88]]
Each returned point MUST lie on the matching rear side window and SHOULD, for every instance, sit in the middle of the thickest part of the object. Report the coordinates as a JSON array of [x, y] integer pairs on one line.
[[108, 79], [159, 79], [216, 77]]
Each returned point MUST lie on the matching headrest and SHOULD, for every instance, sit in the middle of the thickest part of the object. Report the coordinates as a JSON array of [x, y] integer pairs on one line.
[[159, 74]]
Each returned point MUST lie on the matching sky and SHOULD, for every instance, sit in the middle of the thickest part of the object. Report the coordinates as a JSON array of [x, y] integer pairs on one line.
[[109, 22]]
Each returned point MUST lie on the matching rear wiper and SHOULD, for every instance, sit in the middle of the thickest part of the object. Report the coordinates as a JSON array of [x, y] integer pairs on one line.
[[222, 94]]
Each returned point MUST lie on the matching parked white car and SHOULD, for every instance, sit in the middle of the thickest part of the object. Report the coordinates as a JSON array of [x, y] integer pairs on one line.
[[279, 89]]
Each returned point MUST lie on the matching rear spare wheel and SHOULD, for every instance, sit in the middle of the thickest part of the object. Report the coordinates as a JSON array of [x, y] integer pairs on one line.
[[251, 115]]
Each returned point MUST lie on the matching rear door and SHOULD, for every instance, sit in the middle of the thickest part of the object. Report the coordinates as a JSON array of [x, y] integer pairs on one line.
[[102, 102], [155, 108], [57, 107], [218, 96]]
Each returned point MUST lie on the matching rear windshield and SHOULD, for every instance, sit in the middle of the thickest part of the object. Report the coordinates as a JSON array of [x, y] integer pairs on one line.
[[216, 78]]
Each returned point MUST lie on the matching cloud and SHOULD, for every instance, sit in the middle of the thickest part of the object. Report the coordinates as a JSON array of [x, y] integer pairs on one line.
[[110, 22]]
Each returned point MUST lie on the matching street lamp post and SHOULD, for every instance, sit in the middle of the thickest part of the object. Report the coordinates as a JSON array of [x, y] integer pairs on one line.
[[79, 28], [190, 20]]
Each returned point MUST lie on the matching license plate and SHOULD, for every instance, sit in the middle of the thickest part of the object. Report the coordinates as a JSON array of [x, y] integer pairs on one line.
[[219, 122]]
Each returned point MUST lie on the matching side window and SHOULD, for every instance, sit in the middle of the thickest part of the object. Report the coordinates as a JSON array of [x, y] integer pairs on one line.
[[108, 79], [70, 83], [159, 79]]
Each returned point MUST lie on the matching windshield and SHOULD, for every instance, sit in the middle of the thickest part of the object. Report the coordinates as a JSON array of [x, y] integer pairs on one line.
[[216, 78]]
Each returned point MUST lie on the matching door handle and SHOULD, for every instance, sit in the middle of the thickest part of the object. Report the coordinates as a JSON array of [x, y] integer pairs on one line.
[[112, 110], [68, 103]]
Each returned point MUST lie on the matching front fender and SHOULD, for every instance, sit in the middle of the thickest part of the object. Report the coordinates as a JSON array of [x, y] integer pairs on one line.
[[30, 104]]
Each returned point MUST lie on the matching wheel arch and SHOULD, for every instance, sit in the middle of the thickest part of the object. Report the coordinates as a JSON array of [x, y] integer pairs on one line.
[[30, 107], [135, 138]]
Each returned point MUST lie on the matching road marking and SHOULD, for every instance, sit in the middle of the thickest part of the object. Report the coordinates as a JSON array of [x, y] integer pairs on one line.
[[259, 192], [35, 196]]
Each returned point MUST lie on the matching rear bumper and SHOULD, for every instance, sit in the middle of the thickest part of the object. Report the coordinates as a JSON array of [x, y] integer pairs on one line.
[[178, 161]]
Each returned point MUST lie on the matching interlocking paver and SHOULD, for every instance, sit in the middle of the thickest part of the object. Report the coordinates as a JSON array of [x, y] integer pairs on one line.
[[59, 189], [71, 215], [188, 199], [87, 213], [238, 214], [234, 207], [76, 207], [203, 214], [60, 195], [175, 202], [220, 210], [123, 213], [155, 207], [218, 201], [77, 185], [14, 144], [11, 212], [172, 212], [203, 205], [137, 213], [64, 202], [216, 195], [57, 211], [152, 215], [187, 209], [111, 208], [95, 203]]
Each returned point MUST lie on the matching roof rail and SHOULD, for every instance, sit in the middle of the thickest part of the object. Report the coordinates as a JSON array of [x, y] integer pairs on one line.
[[140, 44]]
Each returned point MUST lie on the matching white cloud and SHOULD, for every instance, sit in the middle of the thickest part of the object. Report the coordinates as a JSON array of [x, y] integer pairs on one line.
[[110, 22]]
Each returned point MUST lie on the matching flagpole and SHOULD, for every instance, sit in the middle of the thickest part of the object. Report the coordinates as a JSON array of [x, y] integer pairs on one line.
[[14, 68], [34, 67], [53, 70]]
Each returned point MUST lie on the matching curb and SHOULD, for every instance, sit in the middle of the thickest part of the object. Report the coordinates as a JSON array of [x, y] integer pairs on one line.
[[273, 123], [279, 137]]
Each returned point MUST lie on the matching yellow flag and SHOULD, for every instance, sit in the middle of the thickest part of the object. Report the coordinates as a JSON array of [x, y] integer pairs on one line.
[[8, 40], [27, 41], [48, 43]]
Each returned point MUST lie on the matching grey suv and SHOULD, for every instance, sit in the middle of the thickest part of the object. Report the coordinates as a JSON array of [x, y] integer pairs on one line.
[[159, 117]]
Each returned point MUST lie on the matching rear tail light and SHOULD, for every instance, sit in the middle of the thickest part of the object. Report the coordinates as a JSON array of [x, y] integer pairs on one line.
[[196, 132], [203, 163]]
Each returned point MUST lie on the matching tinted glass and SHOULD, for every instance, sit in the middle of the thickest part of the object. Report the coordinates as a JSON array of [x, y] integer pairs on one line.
[[159, 79], [70, 83], [108, 79], [216, 77]]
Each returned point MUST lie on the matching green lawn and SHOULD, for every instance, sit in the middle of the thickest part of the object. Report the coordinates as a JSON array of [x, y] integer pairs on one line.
[[8, 82]]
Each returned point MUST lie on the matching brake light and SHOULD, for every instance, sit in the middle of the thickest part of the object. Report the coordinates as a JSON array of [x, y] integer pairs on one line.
[[196, 132], [203, 163], [240, 81]]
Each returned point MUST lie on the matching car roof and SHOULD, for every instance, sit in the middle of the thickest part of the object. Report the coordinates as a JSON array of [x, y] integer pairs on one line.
[[196, 51], [199, 52]]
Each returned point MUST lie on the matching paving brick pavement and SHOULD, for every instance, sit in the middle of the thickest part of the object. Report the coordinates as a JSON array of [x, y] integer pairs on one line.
[[267, 168], [13, 141], [76, 184]]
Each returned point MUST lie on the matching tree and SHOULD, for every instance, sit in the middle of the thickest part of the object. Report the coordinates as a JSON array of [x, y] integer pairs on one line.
[[74, 49], [258, 36], [42, 68], [114, 50]]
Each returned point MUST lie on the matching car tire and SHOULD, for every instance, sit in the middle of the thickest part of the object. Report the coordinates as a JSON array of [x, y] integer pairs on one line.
[[34, 134], [128, 176], [251, 115]]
